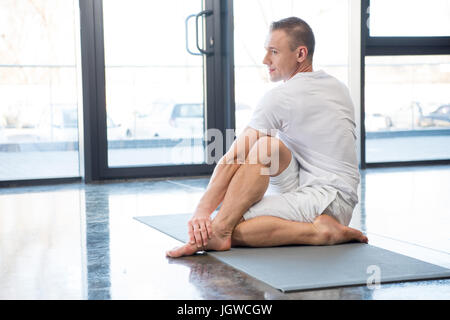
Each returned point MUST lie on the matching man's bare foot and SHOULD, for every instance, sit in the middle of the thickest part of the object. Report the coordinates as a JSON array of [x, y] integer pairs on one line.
[[218, 242], [330, 231]]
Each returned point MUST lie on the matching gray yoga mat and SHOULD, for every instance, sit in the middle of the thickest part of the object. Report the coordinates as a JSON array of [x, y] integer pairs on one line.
[[294, 268]]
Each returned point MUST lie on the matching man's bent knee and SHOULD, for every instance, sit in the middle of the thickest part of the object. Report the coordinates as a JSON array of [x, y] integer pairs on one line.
[[272, 153]]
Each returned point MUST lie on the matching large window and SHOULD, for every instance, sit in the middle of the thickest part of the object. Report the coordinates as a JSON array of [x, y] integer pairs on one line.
[[406, 81], [407, 108], [154, 82], [157, 75], [38, 90], [409, 18], [154, 87]]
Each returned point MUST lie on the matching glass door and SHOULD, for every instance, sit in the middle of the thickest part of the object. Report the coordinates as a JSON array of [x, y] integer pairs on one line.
[[154, 82]]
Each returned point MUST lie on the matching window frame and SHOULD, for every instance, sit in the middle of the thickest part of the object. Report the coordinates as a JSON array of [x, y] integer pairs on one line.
[[92, 118], [219, 93], [389, 46]]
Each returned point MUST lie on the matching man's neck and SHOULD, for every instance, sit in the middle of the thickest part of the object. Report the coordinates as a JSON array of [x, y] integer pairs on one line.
[[305, 67]]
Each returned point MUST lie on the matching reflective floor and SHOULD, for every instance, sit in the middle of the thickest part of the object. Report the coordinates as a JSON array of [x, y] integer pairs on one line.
[[80, 241]]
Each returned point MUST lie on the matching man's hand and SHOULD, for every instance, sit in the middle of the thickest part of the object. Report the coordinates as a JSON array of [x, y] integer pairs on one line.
[[200, 229]]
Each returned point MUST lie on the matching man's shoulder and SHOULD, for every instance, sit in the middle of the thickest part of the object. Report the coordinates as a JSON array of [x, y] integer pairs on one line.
[[276, 90], [333, 81], [320, 77], [275, 94]]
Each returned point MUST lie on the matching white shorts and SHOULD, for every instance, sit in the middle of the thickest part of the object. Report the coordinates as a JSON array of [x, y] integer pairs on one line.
[[289, 201]]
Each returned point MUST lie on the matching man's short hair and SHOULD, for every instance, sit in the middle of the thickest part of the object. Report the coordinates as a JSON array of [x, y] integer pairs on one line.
[[299, 33]]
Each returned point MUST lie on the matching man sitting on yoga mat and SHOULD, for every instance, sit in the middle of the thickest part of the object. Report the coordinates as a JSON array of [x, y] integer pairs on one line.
[[311, 160]]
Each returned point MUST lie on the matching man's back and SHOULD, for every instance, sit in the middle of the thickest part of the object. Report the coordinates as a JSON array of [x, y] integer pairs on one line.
[[314, 114]]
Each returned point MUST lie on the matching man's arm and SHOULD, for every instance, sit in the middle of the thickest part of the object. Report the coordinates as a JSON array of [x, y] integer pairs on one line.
[[199, 227]]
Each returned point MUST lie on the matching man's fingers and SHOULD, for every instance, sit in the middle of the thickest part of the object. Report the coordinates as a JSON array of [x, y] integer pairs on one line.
[[191, 233], [198, 236], [191, 236], [204, 234], [209, 229], [199, 230]]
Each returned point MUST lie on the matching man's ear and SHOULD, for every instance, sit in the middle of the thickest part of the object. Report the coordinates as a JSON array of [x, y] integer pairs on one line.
[[302, 53]]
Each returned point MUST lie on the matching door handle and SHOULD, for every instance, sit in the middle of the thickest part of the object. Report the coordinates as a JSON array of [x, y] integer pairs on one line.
[[202, 13], [197, 16], [187, 36]]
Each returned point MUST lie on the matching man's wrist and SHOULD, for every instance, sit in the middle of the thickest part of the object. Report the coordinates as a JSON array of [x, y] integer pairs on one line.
[[203, 211]]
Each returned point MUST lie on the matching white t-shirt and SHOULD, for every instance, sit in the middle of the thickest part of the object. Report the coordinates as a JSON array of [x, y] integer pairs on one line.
[[313, 115]]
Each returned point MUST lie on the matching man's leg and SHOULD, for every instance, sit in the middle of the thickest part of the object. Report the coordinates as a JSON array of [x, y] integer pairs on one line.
[[269, 231], [251, 181], [247, 187]]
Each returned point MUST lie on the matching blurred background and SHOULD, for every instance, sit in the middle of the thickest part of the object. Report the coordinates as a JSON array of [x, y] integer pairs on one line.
[[155, 88]]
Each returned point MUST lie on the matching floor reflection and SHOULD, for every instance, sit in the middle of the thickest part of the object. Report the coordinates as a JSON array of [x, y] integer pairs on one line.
[[216, 280], [40, 252], [81, 241], [408, 204], [97, 244]]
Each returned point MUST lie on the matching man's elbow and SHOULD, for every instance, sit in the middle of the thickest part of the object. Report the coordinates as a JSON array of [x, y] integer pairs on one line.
[[233, 157], [240, 148], [228, 158]]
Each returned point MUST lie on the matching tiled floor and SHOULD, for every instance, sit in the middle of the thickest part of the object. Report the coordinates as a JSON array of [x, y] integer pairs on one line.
[[80, 241]]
